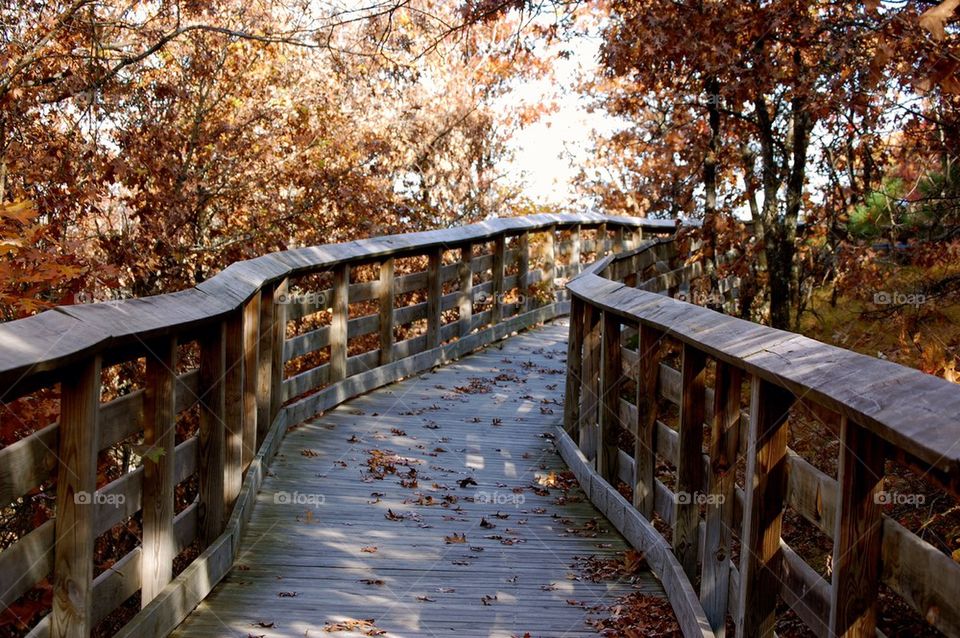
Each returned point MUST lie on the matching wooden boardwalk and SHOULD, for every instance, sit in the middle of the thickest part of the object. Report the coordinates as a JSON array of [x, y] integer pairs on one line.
[[330, 543]]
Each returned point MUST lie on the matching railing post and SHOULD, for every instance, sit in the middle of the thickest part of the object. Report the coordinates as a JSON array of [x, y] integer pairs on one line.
[[574, 267], [765, 492], [159, 437], [611, 374], [523, 272], [76, 512], [550, 259], [251, 359], [603, 240], [212, 431], [339, 322], [589, 390], [571, 400], [857, 538], [264, 363], [499, 250], [280, 304], [618, 239], [724, 443], [466, 289], [686, 512], [234, 400], [387, 298], [434, 297], [644, 451]]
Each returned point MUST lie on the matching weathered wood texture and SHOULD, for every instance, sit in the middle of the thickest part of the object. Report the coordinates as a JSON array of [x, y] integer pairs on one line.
[[302, 562]]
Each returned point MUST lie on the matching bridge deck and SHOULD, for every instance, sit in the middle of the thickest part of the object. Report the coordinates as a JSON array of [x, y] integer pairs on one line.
[[329, 544]]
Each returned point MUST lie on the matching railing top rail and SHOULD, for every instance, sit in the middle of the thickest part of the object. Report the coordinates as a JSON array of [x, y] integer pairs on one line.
[[915, 412], [60, 336]]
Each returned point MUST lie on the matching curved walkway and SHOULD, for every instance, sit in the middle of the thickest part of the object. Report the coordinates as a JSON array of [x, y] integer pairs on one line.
[[437, 506]]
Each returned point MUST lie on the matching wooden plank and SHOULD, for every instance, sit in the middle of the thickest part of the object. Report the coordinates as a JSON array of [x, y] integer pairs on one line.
[[766, 478], [686, 517], [571, 395], [434, 293], [498, 279], [212, 431], [251, 358], [465, 303], [234, 403], [644, 451], [857, 539], [76, 485], [610, 384], [724, 443], [575, 243], [277, 338], [264, 363], [338, 324], [387, 299], [523, 270], [159, 437], [550, 259], [590, 386]]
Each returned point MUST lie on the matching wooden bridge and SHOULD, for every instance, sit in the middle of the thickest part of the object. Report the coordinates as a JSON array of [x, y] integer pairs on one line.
[[371, 437]]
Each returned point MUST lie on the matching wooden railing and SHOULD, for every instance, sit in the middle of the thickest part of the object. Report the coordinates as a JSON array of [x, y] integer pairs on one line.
[[264, 344], [718, 420]]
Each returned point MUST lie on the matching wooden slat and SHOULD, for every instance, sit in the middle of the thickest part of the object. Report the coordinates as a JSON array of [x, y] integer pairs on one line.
[[251, 358], [264, 363], [571, 400], [550, 257], [610, 383], [498, 279], [338, 324], [408, 314], [766, 478], [276, 348], [233, 412], [76, 484], [857, 539], [724, 443], [648, 368], [574, 260], [686, 517], [434, 293], [212, 431], [159, 437], [387, 299], [465, 301], [523, 261], [590, 387]]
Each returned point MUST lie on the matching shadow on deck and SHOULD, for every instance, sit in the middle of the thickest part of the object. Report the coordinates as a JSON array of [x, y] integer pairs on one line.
[[329, 542]]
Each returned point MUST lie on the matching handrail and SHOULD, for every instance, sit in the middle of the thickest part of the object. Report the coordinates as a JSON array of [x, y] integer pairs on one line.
[[241, 327], [879, 410]]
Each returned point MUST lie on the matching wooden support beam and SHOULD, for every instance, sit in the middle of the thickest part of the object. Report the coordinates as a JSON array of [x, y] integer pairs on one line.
[[233, 413], [590, 383], [602, 242], [523, 272], [212, 454], [858, 534], [251, 362], [387, 297], [281, 300], [724, 443], [434, 295], [338, 323], [159, 439], [574, 261], [764, 496], [611, 375], [76, 507], [686, 512], [499, 251], [645, 445], [550, 259], [264, 363], [571, 401], [465, 268]]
